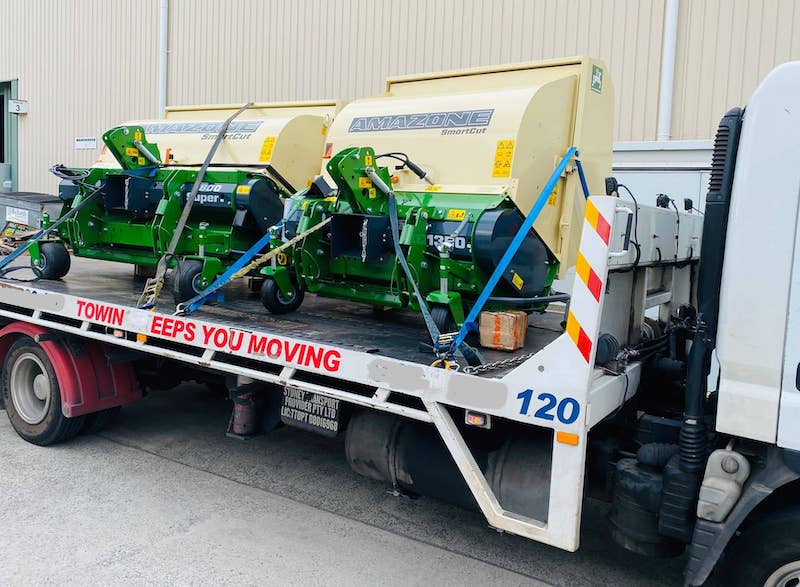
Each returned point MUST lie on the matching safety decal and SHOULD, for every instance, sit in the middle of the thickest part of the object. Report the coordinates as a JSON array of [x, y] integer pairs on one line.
[[266, 150], [503, 155], [588, 276], [579, 336], [597, 221]]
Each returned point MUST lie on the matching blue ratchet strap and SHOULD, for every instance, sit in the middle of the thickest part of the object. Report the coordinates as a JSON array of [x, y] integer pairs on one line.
[[225, 278], [470, 324], [582, 177], [149, 171]]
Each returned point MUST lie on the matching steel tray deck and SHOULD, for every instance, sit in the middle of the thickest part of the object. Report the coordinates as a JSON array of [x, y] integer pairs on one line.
[[392, 333]]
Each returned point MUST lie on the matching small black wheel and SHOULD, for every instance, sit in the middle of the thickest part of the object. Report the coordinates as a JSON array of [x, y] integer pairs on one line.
[[54, 261], [278, 303], [186, 280], [99, 421], [32, 396], [443, 318], [767, 553]]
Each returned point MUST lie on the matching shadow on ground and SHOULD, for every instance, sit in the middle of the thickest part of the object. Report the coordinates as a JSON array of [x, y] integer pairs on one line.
[[187, 424]]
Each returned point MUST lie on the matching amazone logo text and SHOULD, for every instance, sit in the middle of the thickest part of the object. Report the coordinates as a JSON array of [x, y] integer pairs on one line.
[[424, 120]]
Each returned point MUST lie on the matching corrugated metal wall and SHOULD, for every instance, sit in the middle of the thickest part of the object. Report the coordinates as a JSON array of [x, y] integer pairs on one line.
[[306, 49], [725, 47], [85, 65]]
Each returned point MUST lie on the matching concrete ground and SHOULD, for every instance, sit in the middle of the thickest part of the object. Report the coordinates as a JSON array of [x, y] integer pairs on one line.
[[163, 497]]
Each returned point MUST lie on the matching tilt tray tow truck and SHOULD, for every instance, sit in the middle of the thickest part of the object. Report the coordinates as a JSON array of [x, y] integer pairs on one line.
[[616, 404]]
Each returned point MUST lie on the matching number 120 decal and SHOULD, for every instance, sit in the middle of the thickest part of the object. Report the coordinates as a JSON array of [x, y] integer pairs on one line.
[[567, 410]]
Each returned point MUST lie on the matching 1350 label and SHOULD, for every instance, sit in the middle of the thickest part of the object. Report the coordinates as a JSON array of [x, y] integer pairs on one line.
[[454, 242], [549, 407]]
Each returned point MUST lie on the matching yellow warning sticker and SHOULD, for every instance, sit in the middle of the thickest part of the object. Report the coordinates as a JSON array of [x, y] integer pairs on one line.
[[368, 160], [433, 188], [503, 155], [364, 182], [553, 199], [266, 150], [141, 161], [131, 152], [137, 136], [517, 281], [243, 190], [372, 193], [456, 214]]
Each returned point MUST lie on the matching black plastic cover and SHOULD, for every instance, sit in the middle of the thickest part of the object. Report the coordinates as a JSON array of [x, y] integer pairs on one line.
[[526, 275], [263, 204]]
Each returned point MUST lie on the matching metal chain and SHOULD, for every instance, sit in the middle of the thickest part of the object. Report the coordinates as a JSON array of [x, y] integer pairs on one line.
[[502, 364]]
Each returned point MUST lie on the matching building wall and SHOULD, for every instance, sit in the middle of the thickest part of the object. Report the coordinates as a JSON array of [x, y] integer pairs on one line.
[[725, 47], [85, 65]]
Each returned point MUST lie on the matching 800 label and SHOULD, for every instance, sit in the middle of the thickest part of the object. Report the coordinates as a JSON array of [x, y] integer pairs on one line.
[[549, 407]]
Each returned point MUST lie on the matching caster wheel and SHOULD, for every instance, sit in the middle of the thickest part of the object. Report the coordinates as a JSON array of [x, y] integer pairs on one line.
[[278, 303], [54, 261], [186, 280]]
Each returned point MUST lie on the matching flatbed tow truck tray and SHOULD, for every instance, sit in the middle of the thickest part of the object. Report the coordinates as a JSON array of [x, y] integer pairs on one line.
[[345, 351], [391, 333]]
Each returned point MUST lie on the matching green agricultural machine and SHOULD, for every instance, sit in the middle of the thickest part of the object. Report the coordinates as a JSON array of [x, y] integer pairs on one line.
[[140, 186], [451, 241], [455, 164]]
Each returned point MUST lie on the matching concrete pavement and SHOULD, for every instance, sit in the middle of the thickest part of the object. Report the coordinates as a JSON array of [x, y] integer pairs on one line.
[[164, 497]]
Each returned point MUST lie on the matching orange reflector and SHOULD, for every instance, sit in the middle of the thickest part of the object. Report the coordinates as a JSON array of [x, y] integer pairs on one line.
[[474, 419], [395, 179], [141, 338], [567, 438]]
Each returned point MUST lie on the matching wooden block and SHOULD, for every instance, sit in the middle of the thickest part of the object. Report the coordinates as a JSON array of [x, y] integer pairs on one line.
[[503, 330]]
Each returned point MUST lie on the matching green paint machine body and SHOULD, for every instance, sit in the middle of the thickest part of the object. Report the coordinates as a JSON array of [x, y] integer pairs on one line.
[[451, 241], [135, 215]]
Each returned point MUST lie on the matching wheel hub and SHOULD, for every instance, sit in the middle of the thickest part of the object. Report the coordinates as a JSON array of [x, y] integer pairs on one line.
[[30, 388], [786, 576]]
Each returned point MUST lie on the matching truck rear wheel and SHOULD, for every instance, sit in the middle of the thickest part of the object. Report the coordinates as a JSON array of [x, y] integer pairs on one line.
[[767, 554], [54, 261], [32, 396]]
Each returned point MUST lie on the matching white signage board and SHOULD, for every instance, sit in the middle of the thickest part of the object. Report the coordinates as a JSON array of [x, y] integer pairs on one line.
[[18, 106], [85, 143], [18, 215]]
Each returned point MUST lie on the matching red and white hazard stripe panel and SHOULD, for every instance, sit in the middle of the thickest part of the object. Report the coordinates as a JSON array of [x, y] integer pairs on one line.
[[591, 269]]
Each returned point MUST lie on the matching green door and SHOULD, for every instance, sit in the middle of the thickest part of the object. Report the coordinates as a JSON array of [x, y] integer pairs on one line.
[[8, 137]]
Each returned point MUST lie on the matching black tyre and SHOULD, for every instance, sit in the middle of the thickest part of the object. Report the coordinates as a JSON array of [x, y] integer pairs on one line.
[[186, 280], [54, 261], [276, 302], [32, 396], [99, 421], [443, 318], [767, 554]]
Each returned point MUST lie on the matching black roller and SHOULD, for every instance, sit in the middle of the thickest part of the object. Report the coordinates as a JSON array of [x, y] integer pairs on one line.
[[493, 234], [263, 204]]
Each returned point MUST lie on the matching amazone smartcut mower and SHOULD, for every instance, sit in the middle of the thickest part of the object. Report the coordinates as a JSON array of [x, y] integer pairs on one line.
[[428, 184], [147, 172]]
